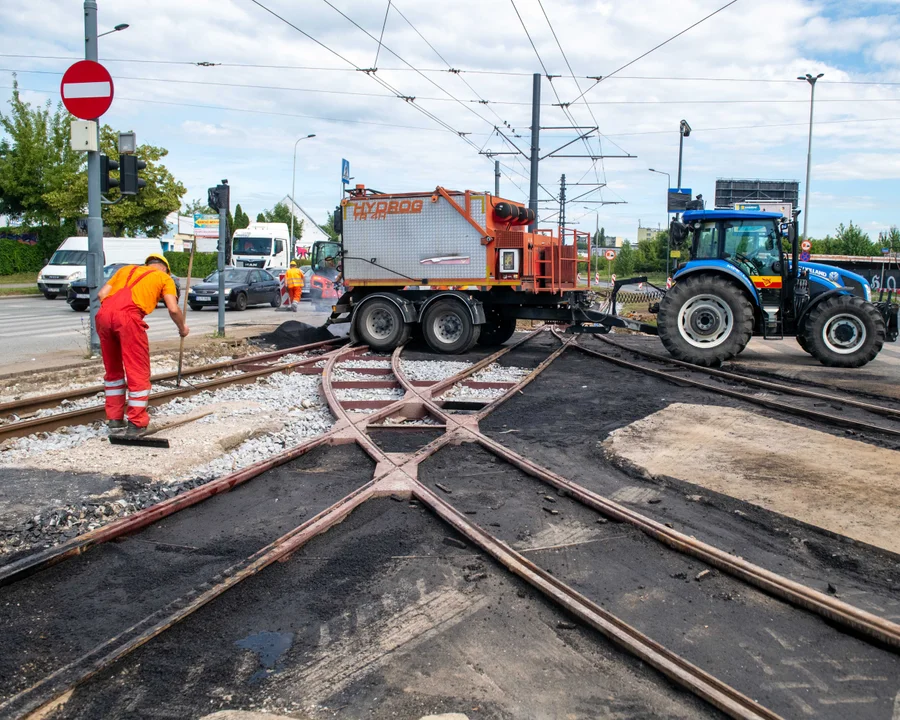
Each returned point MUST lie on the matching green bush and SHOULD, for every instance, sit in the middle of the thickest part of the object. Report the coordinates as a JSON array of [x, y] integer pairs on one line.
[[16, 257], [204, 263]]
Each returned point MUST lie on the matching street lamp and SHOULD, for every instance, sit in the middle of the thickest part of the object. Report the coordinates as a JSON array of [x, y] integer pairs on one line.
[[668, 185], [812, 97], [684, 130], [293, 189], [117, 28]]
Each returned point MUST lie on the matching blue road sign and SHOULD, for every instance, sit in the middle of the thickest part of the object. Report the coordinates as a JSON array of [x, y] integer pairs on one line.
[[678, 198], [345, 171], [804, 256]]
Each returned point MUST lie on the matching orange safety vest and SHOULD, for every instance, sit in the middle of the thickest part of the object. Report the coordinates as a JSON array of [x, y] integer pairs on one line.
[[293, 278]]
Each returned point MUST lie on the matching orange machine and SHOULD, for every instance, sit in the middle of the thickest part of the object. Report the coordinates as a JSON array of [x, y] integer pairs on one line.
[[462, 266]]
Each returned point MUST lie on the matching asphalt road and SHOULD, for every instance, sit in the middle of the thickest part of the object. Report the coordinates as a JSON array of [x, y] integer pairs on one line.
[[33, 326]]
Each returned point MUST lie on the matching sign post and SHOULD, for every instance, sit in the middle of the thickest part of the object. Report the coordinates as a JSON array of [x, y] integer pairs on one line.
[[87, 92], [345, 176]]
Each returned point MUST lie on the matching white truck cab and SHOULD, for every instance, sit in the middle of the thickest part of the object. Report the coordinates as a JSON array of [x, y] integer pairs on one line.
[[69, 262], [261, 245]]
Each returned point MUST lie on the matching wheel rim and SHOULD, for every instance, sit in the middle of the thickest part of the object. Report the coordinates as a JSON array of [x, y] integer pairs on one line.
[[447, 327], [380, 324], [844, 334], [705, 321]]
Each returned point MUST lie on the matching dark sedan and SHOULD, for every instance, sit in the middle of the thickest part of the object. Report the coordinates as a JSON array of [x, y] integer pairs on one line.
[[78, 294], [243, 287]]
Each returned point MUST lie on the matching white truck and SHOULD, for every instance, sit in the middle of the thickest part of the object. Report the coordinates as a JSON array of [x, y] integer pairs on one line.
[[69, 262], [261, 245]]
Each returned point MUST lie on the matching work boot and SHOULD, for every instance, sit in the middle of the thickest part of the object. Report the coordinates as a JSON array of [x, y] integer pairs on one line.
[[133, 431], [116, 426]]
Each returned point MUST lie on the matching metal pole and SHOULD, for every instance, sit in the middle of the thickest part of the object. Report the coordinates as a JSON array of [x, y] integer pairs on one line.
[[812, 98], [94, 269], [562, 207], [496, 178], [293, 202], [223, 239], [680, 149], [535, 147]]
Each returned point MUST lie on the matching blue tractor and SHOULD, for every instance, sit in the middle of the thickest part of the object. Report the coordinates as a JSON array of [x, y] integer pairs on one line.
[[740, 281]]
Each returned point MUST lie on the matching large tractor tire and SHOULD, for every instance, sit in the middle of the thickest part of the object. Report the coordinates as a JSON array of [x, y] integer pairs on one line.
[[496, 331], [844, 331], [380, 325], [705, 320], [801, 340], [448, 328]]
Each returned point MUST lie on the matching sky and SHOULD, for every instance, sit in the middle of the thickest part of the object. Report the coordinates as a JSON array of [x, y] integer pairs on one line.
[[415, 123]]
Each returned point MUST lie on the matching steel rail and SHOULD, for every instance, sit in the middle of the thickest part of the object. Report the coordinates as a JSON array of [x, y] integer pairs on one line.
[[35, 562], [872, 626], [764, 402], [38, 699], [94, 413], [706, 686], [765, 384], [50, 400]]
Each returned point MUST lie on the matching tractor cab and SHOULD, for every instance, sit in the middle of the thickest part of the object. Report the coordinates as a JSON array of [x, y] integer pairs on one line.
[[325, 258], [745, 278]]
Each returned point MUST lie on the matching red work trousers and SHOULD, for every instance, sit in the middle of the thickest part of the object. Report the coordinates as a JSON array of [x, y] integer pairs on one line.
[[126, 357]]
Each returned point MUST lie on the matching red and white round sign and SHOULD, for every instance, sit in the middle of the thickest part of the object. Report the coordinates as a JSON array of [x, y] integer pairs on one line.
[[610, 254], [87, 89], [806, 245]]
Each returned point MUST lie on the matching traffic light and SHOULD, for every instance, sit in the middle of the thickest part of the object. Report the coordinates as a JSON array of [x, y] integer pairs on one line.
[[219, 197], [106, 167], [131, 183]]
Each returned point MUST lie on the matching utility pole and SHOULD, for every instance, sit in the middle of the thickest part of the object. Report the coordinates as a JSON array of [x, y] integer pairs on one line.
[[562, 206], [684, 130], [535, 147], [496, 178], [812, 98], [95, 218]]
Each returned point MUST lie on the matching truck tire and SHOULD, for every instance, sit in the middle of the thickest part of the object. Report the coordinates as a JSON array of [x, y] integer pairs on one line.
[[844, 331], [496, 331], [448, 328], [380, 325], [705, 319]]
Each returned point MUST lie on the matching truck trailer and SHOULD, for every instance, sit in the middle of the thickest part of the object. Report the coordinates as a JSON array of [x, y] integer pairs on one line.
[[461, 267]]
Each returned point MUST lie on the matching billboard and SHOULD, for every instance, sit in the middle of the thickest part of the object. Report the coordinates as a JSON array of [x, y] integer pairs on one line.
[[678, 199], [206, 225], [784, 208], [731, 191]]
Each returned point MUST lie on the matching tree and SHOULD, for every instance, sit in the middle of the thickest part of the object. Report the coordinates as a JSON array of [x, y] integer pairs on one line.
[[281, 213], [853, 241], [143, 214], [36, 160], [328, 227], [889, 239], [600, 237], [241, 219], [625, 261], [197, 206]]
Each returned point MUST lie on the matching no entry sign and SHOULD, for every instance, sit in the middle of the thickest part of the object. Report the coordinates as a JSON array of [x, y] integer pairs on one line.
[[87, 90]]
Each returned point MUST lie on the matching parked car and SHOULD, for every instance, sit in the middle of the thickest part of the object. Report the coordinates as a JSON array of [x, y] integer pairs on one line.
[[243, 287], [78, 294]]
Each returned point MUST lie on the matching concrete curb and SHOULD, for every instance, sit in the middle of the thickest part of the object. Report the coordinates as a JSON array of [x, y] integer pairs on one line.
[[20, 297]]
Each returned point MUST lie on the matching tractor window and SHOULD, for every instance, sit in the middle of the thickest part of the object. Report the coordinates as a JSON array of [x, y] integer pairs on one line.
[[752, 245], [708, 241]]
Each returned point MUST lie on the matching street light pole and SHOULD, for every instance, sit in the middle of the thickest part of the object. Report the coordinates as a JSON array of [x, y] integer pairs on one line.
[[668, 185], [293, 190], [812, 98], [684, 130]]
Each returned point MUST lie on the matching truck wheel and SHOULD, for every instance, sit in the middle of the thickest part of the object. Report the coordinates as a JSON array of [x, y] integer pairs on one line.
[[705, 319], [844, 331], [448, 327], [380, 325], [497, 332]]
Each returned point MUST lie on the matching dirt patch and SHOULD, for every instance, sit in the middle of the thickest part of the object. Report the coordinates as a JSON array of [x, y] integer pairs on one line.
[[842, 485]]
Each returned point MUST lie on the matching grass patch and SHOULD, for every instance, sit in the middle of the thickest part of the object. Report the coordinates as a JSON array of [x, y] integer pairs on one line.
[[27, 277], [4, 292]]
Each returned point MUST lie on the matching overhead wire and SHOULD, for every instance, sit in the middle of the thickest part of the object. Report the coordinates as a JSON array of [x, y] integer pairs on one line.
[[383, 26]]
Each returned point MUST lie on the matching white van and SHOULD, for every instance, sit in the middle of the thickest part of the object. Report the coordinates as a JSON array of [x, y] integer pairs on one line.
[[69, 262], [261, 245]]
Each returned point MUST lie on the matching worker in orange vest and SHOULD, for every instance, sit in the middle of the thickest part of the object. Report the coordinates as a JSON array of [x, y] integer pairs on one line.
[[294, 281], [131, 294]]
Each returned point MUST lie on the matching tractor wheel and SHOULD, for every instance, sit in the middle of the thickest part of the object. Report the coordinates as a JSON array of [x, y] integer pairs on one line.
[[705, 320], [496, 331], [801, 339], [448, 327], [380, 325], [844, 331]]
